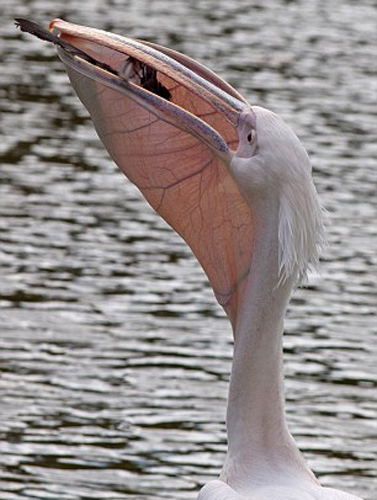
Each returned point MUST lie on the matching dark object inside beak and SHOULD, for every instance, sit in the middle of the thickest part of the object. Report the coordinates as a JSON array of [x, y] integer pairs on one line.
[[144, 76]]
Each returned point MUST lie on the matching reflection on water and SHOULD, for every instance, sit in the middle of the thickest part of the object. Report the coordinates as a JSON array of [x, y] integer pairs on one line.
[[114, 355]]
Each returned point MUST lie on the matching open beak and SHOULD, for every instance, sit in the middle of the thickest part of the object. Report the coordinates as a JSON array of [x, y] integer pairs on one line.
[[168, 84]]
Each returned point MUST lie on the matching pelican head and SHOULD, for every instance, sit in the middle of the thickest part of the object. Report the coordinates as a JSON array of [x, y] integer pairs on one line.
[[147, 101], [272, 168]]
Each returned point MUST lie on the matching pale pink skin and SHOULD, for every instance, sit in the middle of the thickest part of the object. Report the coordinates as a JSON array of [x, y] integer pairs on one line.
[[197, 161]]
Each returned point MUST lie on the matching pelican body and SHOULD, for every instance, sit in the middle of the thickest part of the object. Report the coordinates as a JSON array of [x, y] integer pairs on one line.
[[234, 181]]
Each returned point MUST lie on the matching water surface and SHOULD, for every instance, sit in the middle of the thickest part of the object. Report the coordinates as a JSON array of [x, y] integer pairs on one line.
[[114, 355]]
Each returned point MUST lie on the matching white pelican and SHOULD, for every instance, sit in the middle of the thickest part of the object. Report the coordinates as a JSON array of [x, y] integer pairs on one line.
[[235, 182]]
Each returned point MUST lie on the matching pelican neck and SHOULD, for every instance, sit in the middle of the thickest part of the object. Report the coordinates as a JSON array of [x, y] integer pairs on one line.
[[259, 442]]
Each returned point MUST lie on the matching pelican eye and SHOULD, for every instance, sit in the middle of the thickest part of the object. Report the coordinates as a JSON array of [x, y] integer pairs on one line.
[[251, 136]]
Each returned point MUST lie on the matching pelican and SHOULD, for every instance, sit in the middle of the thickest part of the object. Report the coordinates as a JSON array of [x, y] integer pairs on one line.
[[234, 181]]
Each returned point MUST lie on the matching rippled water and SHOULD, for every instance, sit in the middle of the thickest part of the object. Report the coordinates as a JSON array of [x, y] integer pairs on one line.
[[114, 355]]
